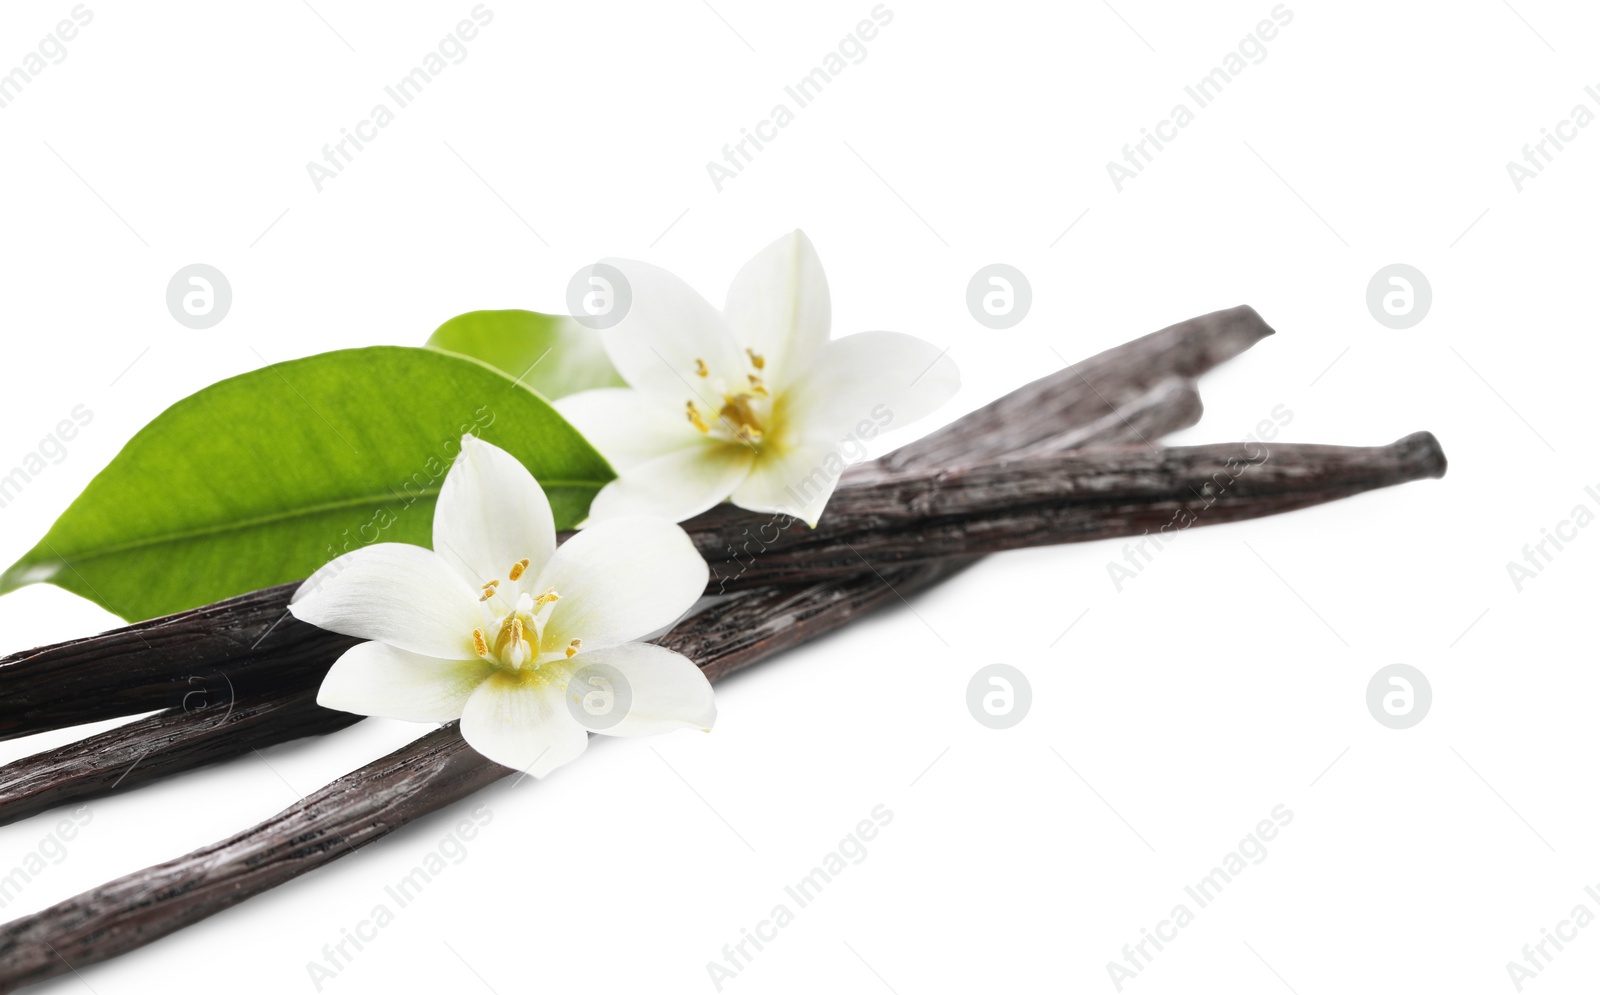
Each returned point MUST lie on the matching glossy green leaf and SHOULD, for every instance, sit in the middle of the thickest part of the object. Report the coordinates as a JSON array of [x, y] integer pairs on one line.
[[553, 354], [264, 477]]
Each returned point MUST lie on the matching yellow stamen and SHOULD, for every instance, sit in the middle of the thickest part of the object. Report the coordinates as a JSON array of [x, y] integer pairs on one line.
[[573, 647], [546, 598], [700, 368], [756, 359], [480, 643], [738, 416], [756, 386], [518, 568], [489, 590], [696, 420]]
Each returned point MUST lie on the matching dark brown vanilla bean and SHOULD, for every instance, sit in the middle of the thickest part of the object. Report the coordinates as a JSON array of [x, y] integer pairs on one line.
[[148, 666], [212, 727], [1075, 497], [756, 624], [368, 804], [249, 644], [1087, 390], [1165, 408], [190, 736], [353, 811]]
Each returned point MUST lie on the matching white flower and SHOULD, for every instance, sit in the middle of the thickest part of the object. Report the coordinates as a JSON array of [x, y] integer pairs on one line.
[[753, 402], [492, 625]]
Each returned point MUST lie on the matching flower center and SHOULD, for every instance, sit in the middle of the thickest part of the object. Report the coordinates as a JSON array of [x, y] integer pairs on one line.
[[515, 638], [745, 410]]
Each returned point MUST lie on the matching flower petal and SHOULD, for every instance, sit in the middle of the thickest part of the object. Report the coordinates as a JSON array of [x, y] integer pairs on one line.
[[518, 719], [666, 332], [779, 307], [491, 513], [883, 379], [676, 486], [619, 580], [629, 427], [377, 679], [403, 595], [665, 690], [793, 481]]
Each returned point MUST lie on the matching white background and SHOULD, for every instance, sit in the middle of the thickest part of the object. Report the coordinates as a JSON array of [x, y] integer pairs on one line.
[[1223, 681]]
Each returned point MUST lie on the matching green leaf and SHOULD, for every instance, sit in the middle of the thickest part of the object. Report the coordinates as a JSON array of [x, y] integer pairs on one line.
[[262, 478], [553, 354]]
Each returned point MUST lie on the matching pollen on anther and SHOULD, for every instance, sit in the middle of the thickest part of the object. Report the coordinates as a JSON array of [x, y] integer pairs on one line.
[[480, 642], [756, 359], [756, 386], [573, 648], [546, 598], [518, 568], [695, 418], [700, 369]]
